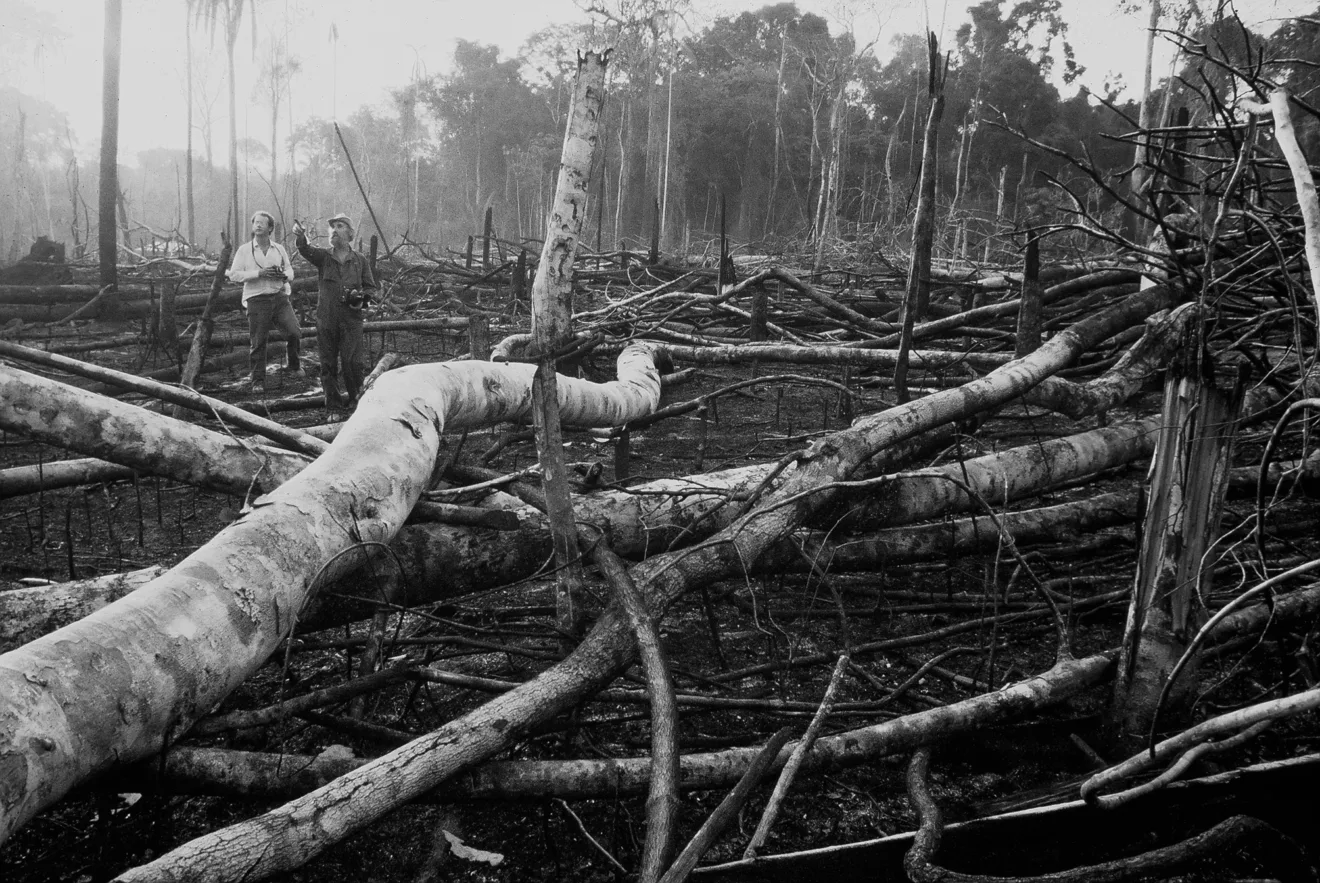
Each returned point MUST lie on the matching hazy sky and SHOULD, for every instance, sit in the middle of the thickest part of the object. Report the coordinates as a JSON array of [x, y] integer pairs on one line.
[[379, 47]]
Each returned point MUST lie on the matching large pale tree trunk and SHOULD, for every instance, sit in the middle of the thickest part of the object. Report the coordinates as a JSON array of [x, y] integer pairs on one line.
[[123, 682]]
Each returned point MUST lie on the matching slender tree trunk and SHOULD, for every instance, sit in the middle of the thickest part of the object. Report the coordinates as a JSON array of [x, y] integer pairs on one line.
[[274, 129], [1303, 182], [916, 299], [891, 192], [235, 221], [107, 241], [20, 185], [552, 310], [1134, 225], [188, 156], [192, 366], [779, 136]]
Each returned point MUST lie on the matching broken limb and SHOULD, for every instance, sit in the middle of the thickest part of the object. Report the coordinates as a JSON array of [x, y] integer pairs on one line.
[[1221, 843], [831, 355], [967, 536], [28, 613], [261, 717], [1225, 725], [728, 809], [790, 770], [662, 802], [1004, 477], [1164, 336]]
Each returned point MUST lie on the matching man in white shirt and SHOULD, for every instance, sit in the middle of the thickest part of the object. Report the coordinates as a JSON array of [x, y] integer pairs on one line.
[[264, 268]]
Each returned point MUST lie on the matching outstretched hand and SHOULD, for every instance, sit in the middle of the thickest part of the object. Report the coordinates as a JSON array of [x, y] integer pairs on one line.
[[298, 228]]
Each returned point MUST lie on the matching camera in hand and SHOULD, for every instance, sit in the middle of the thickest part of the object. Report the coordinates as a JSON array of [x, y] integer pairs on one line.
[[353, 298]]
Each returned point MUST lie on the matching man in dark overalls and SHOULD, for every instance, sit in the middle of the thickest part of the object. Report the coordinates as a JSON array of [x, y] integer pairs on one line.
[[344, 288]]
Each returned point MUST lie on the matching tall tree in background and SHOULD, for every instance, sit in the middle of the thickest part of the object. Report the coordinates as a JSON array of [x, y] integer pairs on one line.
[[109, 192], [228, 13], [278, 68], [188, 159]]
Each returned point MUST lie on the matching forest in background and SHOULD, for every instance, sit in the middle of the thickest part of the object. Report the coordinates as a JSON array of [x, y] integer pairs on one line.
[[794, 135]]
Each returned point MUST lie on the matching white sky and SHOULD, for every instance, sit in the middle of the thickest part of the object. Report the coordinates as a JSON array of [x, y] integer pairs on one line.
[[379, 47]]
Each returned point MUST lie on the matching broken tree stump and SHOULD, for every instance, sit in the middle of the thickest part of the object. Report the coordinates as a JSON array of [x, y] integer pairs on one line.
[[1188, 480]]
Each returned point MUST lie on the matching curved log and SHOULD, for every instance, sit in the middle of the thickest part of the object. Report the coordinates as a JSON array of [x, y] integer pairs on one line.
[[123, 682]]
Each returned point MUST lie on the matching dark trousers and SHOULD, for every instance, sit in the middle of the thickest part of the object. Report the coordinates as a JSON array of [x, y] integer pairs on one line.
[[340, 341], [267, 312]]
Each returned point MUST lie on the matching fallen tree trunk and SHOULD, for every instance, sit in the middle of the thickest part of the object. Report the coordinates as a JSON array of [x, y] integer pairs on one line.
[[188, 770], [289, 836], [64, 416], [255, 775], [1003, 478], [181, 398], [31, 612], [443, 560], [977, 534], [121, 683], [1164, 335], [20, 480]]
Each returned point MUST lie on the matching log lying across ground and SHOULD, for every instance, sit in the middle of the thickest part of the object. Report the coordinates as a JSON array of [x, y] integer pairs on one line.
[[260, 775], [123, 682], [289, 836], [65, 416], [440, 561]]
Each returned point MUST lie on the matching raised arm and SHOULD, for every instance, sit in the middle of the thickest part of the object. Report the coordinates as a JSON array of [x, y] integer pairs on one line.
[[314, 256]]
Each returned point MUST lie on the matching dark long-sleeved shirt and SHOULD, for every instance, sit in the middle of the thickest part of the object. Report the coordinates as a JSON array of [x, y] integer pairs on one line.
[[333, 275]]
